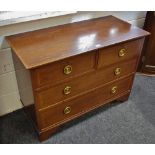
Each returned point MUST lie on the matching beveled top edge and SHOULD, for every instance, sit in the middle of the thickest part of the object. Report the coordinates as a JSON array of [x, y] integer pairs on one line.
[[132, 32]]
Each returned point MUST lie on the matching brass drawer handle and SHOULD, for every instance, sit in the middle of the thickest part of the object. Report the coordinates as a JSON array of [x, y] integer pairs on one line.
[[122, 52], [67, 69], [117, 71], [67, 90], [67, 110], [114, 89]]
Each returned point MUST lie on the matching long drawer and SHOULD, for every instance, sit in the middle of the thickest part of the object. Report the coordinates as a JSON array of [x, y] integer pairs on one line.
[[119, 53], [66, 110], [84, 83]]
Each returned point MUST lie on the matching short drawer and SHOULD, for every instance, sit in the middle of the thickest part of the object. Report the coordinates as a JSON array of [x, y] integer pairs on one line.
[[118, 53], [84, 83], [68, 110], [61, 70]]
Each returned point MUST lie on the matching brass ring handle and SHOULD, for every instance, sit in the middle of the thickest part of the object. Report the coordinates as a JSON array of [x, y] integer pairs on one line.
[[67, 110], [122, 52], [117, 71], [67, 69], [67, 90], [114, 89]]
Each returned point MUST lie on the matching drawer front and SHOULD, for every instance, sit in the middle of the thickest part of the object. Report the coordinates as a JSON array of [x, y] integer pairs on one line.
[[84, 83], [61, 70], [118, 53], [67, 110]]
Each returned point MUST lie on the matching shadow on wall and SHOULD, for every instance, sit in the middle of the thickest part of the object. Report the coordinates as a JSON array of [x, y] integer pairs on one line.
[[3, 43]]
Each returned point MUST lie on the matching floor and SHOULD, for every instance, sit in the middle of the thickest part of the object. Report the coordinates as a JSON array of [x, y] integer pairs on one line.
[[130, 122]]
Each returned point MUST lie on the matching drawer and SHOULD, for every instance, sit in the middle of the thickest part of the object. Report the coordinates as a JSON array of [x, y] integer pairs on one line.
[[67, 110], [118, 53], [61, 70], [84, 83]]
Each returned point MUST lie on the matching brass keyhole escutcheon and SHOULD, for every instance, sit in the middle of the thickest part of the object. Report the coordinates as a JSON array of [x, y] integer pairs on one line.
[[67, 110], [117, 71], [122, 52], [67, 69], [67, 90], [114, 89]]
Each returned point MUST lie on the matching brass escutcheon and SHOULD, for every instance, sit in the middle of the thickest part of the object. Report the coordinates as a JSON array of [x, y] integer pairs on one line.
[[67, 69], [67, 90], [67, 110], [117, 71], [122, 52], [114, 89]]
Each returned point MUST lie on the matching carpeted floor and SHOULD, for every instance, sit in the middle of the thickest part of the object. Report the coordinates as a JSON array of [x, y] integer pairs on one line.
[[129, 122]]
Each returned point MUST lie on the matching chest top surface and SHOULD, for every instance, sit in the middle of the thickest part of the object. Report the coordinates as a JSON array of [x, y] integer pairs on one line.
[[48, 45]]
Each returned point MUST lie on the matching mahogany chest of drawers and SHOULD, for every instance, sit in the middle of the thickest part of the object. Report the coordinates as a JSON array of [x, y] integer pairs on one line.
[[66, 71]]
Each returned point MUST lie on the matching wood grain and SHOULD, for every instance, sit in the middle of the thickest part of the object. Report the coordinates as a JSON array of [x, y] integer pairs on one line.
[[110, 55], [54, 72], [55, 115], [44, 46], [83, 84], [91, 49]]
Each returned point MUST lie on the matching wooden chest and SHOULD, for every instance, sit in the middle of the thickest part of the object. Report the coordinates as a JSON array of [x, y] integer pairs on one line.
[[66, 71]]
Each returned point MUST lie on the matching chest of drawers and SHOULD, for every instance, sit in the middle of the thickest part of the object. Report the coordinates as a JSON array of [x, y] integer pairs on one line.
[[66, 71]]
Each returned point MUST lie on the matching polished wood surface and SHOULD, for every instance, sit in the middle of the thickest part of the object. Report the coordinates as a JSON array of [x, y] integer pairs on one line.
[[80, 64], [52, 44], [147, 62], [44, 134], [55, 115], [110, 55], [83, 84], [76, 68]]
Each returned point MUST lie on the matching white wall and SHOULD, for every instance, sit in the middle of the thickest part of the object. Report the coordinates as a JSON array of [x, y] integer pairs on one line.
[[9, 96]]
